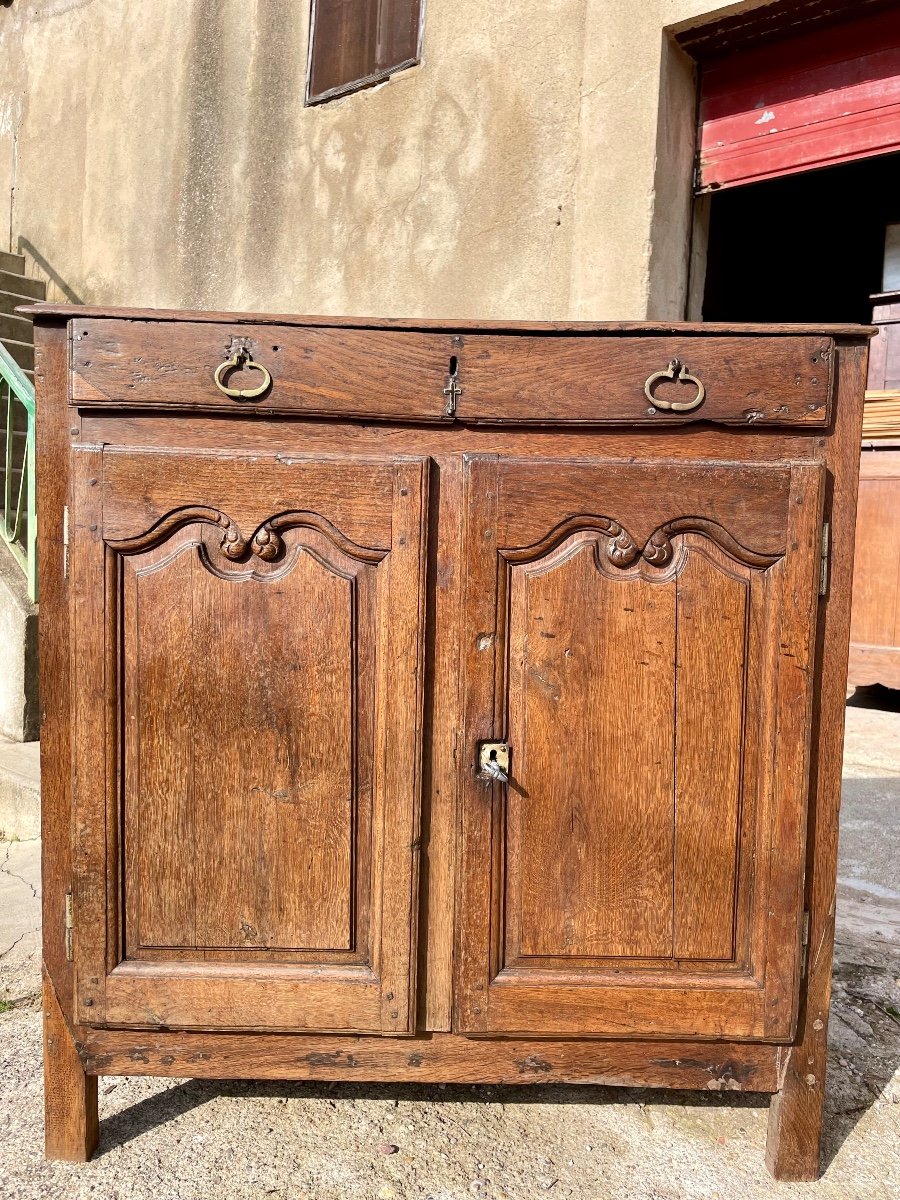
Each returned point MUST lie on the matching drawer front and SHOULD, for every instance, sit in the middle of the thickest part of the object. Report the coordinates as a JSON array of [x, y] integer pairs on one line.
[[589, 380], [408, 375], [374, 373]]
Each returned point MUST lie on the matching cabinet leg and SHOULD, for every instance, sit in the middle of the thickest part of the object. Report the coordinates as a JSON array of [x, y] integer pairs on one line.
[[71, 1127], [793, 1144]]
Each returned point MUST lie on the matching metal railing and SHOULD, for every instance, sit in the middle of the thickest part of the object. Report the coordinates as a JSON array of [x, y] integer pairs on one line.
[[18, 522]]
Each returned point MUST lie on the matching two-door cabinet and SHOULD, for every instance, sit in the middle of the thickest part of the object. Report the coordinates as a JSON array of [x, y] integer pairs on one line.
[[434, 703]]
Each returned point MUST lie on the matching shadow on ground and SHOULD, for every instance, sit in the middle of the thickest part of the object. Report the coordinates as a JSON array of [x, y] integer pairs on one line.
[[864, 1055]]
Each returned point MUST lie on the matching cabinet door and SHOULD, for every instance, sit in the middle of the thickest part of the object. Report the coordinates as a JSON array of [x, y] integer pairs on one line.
[[642, 635], [247, 717]]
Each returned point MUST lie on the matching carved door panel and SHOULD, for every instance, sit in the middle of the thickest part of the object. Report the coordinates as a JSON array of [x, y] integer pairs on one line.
[[642, 635], [248, 634]]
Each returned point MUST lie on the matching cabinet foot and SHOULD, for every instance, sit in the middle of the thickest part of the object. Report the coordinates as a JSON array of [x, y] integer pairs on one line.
[[71, 1127], [794, 1139]]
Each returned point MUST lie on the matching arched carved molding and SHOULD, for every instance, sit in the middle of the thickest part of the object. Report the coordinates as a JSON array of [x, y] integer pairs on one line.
[[623, 551], [658, 548], [620, 550], [265, 543]]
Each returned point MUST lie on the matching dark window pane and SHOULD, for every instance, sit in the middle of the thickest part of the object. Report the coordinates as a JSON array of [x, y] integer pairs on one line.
[[354, 43]]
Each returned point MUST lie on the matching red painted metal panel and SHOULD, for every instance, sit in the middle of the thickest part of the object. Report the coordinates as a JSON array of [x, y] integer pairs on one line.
[[802, 103]]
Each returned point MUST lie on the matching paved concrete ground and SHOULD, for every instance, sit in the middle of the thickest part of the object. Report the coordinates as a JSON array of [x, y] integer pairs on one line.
[[20, 789], [163, 1139]]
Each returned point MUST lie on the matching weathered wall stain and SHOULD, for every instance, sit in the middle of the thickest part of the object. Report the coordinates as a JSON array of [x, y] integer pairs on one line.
[[533, 166], [202, 235]]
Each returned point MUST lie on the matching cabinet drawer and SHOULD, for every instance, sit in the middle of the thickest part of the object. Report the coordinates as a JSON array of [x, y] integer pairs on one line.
[[591, 380], [543, 378], [377, 373]]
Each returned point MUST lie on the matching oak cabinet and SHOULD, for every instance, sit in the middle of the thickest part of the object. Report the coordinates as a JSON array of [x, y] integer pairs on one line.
[[649, 664], [261, 696], [442, 704]]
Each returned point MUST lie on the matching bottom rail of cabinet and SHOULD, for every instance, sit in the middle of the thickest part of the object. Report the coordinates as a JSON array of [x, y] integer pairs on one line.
[[433, 1058]]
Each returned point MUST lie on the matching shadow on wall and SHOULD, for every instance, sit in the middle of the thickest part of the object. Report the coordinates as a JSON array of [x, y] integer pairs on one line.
[[26, 247]]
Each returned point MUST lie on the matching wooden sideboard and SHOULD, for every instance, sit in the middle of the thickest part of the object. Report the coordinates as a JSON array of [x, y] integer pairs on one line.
[[442, 703], [875, 623]]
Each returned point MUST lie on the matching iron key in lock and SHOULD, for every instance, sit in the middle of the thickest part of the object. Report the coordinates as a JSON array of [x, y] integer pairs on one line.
[[493, 761]]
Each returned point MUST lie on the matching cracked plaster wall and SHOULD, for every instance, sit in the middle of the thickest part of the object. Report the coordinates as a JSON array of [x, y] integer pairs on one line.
[[536, 165]]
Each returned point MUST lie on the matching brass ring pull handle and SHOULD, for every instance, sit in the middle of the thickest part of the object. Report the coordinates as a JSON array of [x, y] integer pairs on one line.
[[676, 371], [242, 358]]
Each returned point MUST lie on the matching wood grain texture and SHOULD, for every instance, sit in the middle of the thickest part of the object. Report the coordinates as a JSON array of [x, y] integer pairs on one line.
[[701, 508], [732, 502], [71, 1128], [94, 841], [589, 838], [593, 381], [875, 622], [582, 665], [435, 1058], [249, 490], [511, 378], [222, 839], [271, 685], [798, 613], [793, 1148], [442, 747], [711, 618], [354, 374], [54, 423], [43, 312], [874, 664]]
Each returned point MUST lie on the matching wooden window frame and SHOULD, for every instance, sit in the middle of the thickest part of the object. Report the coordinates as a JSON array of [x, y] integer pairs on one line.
[[365, 81]]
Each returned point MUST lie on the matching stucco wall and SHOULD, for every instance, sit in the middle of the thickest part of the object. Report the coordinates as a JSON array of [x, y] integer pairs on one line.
[[536, 165]]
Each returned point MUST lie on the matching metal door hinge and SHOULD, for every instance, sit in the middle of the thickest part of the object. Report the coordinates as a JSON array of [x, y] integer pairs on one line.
[[70, 927], [804, 944], [825, 559], [65, 542]]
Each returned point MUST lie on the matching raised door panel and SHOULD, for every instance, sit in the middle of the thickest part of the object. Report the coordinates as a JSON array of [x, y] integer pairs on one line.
[[272, 671], [642, 637], [259, 741]]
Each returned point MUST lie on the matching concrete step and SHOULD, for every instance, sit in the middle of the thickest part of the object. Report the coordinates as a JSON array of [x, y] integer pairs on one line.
[[15, 328], [20, 790], [14, 263], [22, 353], [10, 301], [22, 285]]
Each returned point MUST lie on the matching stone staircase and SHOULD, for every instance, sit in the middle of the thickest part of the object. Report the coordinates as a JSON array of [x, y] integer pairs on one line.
[[19, 769], [16, 288]]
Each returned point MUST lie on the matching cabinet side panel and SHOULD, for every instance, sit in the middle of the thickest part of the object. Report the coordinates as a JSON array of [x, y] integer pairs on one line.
[[53, 475], [876, 582], [795, 1118]]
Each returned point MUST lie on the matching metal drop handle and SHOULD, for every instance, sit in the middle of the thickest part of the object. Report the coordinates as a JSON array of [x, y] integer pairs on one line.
[[677, 372], [241, 358]]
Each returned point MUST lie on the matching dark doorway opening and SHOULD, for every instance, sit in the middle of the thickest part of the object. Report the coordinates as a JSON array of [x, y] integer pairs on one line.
[[808, 247]]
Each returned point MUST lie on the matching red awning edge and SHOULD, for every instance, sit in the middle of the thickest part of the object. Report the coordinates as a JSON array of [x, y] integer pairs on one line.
[[806, 102]]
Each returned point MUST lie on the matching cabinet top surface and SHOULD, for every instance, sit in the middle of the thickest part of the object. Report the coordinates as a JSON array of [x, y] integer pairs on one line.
[[54, 312]]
